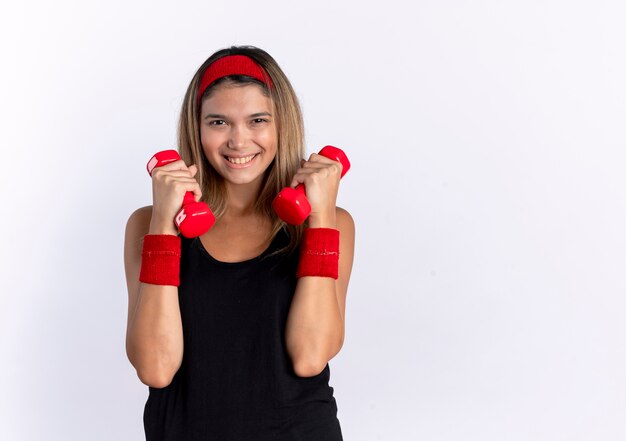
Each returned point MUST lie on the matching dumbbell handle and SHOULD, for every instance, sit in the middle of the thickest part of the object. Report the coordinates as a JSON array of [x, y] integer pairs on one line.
[[335, 154], [291, 204], [163, 158], [194, 218]]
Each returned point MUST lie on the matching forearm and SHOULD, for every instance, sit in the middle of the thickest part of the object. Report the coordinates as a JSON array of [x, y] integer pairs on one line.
[[315, 328], [154, 342], [314, 332]]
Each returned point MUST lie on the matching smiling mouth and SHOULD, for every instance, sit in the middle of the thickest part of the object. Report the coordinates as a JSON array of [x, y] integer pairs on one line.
[[243, 160]]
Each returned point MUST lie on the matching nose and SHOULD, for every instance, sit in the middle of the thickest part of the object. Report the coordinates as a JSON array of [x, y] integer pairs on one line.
[[238, 137]]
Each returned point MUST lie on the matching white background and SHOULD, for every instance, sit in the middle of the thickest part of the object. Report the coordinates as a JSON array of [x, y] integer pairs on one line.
[[487, 141]]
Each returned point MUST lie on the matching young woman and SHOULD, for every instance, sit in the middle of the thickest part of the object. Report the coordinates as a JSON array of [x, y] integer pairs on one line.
[[233, 330]]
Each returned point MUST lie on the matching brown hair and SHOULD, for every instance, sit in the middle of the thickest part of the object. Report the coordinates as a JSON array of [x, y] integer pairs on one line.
[[289, 126]]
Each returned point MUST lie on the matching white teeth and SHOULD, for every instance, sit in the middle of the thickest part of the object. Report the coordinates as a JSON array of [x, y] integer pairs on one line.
[[241, 160]]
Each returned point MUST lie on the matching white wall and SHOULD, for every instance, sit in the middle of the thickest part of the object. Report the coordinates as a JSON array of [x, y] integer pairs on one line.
[[487, 141]]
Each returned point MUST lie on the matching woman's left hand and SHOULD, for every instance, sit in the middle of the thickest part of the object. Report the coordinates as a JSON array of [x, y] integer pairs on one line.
[[320, 176]]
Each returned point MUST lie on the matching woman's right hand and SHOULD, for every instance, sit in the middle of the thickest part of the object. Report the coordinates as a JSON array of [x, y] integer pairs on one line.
[[170, 182]]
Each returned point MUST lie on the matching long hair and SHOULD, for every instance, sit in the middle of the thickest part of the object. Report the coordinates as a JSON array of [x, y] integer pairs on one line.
[[289, 126]]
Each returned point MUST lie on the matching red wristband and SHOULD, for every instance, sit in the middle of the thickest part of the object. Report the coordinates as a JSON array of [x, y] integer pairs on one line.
[[319, 253], [160, 259]]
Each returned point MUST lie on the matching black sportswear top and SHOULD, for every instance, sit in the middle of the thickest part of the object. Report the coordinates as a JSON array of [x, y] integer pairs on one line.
[[236, 381]]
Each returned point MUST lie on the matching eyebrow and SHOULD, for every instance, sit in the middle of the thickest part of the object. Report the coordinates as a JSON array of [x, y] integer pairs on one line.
[[218, 116]]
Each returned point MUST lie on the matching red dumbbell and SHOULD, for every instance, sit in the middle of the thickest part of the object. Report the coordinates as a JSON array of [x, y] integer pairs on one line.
[[291, 204], [194, 218]]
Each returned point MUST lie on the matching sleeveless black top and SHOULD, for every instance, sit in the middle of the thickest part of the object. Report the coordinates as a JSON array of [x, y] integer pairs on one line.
[[236, 381]]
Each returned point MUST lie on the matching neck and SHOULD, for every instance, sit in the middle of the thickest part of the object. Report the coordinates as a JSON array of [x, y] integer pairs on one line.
[[242, 198]]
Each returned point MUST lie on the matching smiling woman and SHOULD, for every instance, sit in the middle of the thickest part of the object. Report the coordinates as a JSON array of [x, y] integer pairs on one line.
[[238, 133], [234, 342]]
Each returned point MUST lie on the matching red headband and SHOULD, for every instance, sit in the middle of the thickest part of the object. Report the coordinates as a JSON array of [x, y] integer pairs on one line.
[[232, 65]]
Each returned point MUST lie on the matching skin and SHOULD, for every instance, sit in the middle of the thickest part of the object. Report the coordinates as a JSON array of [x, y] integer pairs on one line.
[[237, 121]]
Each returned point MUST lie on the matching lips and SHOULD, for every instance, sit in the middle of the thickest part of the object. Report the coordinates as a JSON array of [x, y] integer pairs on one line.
[[240, 159]]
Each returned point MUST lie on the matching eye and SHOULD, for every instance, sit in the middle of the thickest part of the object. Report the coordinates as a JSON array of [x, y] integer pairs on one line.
[[259, 120], [217, 122]]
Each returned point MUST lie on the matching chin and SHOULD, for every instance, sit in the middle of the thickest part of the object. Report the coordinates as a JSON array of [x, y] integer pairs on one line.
[[243, 180]]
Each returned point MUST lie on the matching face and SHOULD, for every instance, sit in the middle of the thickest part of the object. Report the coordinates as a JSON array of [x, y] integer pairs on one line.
[[238, 132]]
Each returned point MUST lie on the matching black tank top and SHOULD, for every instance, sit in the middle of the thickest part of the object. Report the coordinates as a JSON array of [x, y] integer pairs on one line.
[[236, 381]]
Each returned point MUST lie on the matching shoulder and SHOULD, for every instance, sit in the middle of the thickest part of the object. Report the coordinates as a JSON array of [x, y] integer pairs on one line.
[[140, 216], [138, 224], [345, 222], [345, 225], [141, 213]]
